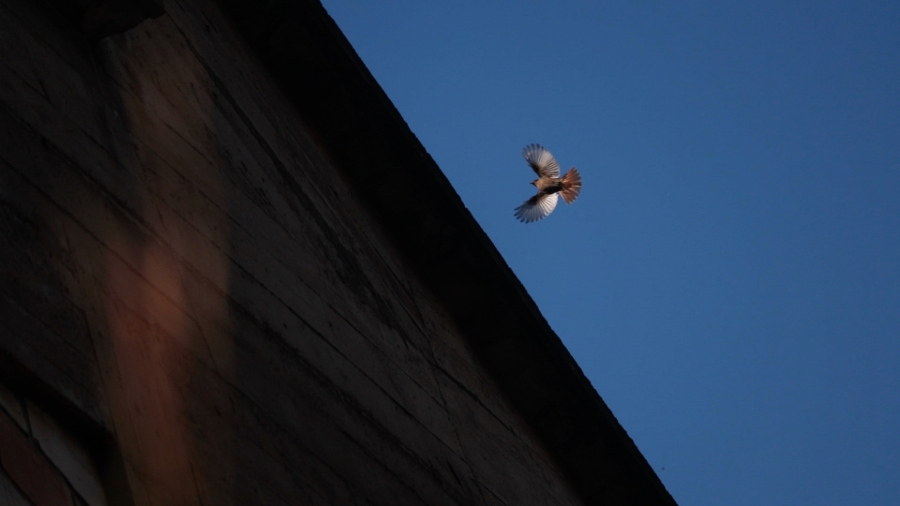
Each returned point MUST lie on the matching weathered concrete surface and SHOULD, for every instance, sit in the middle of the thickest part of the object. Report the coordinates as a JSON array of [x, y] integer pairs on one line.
[[193, 279]]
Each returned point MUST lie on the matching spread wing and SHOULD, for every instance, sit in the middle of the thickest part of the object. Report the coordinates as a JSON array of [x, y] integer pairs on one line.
[[541, 160], [537, 207]]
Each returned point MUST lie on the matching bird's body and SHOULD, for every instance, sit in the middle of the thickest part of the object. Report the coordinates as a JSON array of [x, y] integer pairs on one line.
[[548, 184]]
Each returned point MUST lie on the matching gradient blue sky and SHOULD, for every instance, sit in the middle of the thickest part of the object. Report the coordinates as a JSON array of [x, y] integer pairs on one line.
[[729, 279]]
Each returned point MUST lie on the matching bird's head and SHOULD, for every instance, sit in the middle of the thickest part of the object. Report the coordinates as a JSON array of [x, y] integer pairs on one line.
[[535, 182]]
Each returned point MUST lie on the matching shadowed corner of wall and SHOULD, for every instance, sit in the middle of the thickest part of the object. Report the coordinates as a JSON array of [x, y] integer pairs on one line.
[[102, 18]]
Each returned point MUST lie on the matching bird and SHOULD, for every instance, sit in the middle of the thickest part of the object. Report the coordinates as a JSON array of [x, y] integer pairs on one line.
[[548, 183]]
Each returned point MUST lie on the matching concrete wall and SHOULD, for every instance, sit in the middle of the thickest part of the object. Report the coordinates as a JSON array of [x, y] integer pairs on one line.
[[192, 291]]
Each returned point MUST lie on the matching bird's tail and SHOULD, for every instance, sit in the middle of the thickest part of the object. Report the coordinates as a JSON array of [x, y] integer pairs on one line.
[[571, 186]]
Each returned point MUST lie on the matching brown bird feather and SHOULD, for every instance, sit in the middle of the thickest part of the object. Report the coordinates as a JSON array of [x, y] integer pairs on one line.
[[548, 184]]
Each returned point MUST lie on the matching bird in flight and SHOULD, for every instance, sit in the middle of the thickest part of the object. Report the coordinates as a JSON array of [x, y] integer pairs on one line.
[[548, 183]]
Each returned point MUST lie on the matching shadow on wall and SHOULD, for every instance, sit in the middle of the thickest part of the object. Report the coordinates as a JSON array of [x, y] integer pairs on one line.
[[166, 285], [116, 270]]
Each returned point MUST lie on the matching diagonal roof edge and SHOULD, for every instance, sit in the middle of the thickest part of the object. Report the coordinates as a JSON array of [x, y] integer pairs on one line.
[[333, 90]]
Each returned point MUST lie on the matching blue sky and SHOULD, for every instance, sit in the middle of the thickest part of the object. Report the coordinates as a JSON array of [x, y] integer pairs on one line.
[[729, 278]]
